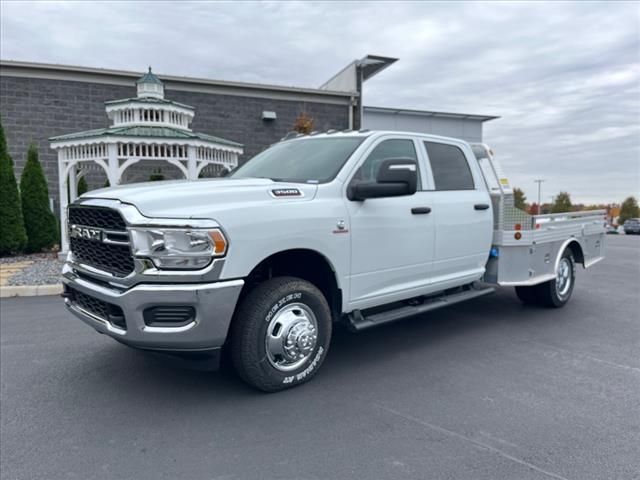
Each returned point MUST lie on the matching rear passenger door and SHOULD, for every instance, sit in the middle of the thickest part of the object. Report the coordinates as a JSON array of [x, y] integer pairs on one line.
[[463, 215], [391, 237]]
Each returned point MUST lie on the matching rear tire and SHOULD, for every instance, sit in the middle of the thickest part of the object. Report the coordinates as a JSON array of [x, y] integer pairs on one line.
[[280, 334], [554, 293], [528, 295]]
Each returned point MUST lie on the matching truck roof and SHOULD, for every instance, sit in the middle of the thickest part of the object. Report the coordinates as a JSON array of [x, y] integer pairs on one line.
[[365, 133]]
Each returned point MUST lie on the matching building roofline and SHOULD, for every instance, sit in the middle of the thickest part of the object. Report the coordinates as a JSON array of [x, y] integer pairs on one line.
[[376, 64], [430, 113], [127, 77]]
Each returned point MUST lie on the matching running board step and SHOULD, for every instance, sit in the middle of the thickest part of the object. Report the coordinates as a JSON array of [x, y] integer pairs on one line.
[[357, 321]]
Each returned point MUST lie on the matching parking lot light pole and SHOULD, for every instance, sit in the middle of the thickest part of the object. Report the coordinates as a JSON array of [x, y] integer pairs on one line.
[[539, 182]]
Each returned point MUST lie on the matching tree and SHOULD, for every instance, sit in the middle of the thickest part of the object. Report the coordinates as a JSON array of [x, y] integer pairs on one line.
[[82, 186], [303, 123], [562, 203], [628, 209], [12, 233], [39, 221], [519, 199]]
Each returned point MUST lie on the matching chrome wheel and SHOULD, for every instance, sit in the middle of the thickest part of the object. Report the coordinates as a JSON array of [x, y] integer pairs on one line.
[[564, 277], [291, 337]]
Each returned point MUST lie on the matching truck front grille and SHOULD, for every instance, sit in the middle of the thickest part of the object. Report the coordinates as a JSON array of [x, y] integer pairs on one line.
[[103, 310], [99, 217], [115, 259]]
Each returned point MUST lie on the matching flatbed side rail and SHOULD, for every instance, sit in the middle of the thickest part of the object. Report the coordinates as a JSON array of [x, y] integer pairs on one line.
[[557, 220]]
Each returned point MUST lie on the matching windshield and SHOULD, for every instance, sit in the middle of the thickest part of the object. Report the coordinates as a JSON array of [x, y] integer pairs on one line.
[[310, 160]]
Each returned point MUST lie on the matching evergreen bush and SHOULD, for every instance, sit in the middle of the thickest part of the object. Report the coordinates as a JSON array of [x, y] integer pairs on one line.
[[82, 186], [156, 175], [12, 233], [39, 221]]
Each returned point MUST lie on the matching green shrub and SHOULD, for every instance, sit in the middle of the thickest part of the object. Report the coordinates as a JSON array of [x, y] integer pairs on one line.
[[82, 186], [12, 233], [39, 221], [156, 175]]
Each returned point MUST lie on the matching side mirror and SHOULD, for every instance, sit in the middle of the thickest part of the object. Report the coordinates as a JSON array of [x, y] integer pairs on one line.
[[396, 177]]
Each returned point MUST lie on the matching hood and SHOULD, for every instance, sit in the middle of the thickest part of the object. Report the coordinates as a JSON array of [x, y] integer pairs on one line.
[[202, 198]]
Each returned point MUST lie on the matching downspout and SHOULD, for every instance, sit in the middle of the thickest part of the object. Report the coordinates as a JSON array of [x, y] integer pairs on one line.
[[359, 80], [351, 105]]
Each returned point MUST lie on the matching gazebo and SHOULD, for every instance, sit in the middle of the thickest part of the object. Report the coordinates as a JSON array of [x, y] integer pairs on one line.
[[145, 128]]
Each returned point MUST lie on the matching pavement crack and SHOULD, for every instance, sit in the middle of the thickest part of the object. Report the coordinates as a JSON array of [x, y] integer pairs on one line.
[[477, 443], [587, 356]]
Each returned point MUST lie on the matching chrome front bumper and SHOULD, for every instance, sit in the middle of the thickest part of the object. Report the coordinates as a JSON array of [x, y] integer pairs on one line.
[[214, 304]]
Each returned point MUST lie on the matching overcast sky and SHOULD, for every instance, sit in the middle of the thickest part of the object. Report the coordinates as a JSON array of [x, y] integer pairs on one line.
[[564, 77]]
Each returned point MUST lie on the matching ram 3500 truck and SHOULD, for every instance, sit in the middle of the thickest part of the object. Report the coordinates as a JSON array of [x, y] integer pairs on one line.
[[359, 227]]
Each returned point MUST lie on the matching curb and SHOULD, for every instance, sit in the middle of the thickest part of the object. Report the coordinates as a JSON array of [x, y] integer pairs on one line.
[[7, 291]]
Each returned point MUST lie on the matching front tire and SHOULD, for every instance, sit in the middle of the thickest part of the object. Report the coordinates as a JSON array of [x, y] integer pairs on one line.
[[280, 334]]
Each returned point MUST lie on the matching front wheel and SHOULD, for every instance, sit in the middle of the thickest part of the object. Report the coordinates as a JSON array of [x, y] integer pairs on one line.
[[280, 334]]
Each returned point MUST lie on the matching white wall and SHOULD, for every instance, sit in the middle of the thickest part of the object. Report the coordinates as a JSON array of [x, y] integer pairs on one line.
[[466, 129]]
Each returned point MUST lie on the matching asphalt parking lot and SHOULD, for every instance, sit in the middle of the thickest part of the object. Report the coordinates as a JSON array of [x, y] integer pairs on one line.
[[489, 389]]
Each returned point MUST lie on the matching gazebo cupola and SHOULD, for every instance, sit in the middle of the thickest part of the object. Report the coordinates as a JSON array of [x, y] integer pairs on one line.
[[150, 86], [145, 128]]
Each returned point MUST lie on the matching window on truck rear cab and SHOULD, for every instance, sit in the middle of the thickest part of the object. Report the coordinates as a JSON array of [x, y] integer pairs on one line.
[[449, 167]]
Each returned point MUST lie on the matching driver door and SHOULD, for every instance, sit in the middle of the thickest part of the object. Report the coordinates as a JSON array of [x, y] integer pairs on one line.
[[392, 238]]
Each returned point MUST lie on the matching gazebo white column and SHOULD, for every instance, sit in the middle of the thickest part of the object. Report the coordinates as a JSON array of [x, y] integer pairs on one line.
[[64, 201], [73, 183], [113, 170], [192, 163]]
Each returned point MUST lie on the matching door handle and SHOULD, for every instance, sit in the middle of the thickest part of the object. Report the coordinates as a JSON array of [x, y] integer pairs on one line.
[[420, 210], [481, 206]]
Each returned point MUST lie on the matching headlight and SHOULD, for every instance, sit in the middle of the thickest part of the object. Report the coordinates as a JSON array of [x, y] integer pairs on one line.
[[183, 249]]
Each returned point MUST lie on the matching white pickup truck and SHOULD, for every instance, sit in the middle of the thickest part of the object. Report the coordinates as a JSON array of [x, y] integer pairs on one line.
[[359, 227]]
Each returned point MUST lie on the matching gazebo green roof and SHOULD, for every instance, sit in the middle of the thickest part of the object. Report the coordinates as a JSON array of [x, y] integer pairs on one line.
[[144, 131], [149, 77]]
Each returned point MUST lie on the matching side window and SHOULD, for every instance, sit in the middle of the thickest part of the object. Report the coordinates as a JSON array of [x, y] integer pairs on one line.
[[395, 148], [449, 167]]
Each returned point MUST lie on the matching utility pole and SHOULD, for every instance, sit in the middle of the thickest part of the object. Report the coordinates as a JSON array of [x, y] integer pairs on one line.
[[539, 182]]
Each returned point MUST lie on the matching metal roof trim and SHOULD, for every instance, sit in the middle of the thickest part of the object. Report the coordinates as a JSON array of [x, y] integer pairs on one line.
[[167, 78]]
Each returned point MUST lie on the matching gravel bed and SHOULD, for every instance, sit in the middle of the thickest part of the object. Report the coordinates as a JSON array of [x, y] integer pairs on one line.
[[45, 269]]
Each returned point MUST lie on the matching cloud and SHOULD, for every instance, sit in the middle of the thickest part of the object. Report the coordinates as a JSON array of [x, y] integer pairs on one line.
[[564, 77]]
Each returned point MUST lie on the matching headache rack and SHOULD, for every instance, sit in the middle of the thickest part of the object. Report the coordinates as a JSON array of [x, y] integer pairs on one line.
[[526, 247]]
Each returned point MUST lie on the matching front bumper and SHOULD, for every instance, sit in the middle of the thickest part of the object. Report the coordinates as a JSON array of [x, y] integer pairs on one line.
[[214, 304]]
